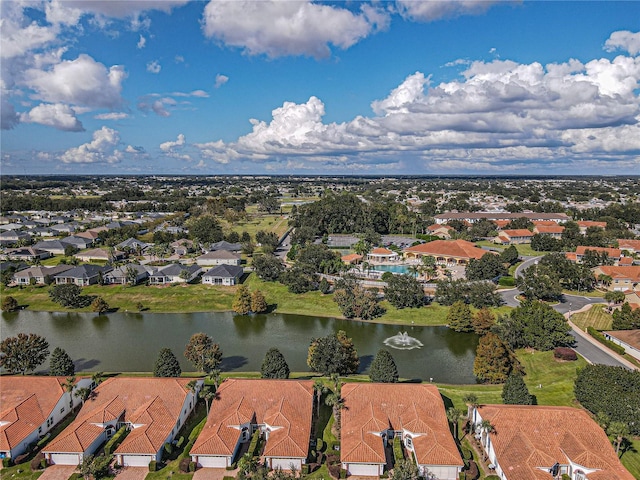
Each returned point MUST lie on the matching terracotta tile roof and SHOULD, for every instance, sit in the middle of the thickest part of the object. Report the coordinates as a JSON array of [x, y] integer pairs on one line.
[[452, 248], [371, 408], [529, 437], [630, 337], [589, 223], [571, 256], [353, 257], [381, 251], [612, 252], [626, 244], [544, 223], [625, 261], [518, 232], [502, 223], [26, 402], [631, 272], [286, 405], [152, 404], [550, 229], [436, 226]]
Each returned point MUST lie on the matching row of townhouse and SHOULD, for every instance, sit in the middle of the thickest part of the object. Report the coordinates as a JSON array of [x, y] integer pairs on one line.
[[525, 443], [85, 275]]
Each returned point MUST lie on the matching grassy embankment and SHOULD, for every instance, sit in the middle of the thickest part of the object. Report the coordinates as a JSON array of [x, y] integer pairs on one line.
[[203, 298]]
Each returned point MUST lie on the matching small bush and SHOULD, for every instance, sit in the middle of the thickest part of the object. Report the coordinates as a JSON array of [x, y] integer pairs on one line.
[[565, 353], [462, 476], [230, 467], [343, 473], [43, 440], [153, 466], [492, 477], [180, 442], [332, 459], [168, 448], [36, 462], [466, 454], [565, 477], [76, 476], [6, 462], [184, 464], [319, 445], [116, 440], [192, 466]]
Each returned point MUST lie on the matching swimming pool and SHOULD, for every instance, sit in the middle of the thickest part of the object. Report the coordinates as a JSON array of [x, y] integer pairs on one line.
[[392, 268]]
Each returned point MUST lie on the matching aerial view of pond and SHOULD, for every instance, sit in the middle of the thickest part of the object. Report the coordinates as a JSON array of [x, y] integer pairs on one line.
[[130, 342]]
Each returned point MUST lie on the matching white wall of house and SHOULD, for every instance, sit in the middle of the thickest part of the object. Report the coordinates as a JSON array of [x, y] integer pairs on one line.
[[631, 350], [219, 281], [212, 262], [285, 463]]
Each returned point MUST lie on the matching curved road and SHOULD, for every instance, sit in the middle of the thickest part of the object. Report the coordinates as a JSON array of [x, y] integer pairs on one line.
[[592, 352]]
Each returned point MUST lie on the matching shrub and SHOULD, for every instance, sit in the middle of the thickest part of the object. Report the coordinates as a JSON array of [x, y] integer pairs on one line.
[[305, 469], [228, 478], [565, 353], [37, 461], [492, 477], [168, 448], [153, 466], [192, 466], [6, 462], [343, 473], [43, 440], [466, 454], [462, 476], [180, 442], [184, 464], [607, 343], [116, 440], [319, 445], [398, 454]]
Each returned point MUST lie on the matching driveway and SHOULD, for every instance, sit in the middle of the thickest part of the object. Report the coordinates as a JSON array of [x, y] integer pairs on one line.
[[132, 473], [213, 473], [58, 472]]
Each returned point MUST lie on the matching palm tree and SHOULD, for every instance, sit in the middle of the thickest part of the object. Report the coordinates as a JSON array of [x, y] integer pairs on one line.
[[97, 378], [414, 270], [454, 416], [207, 395], [472, 403], [83, 393], [214, 375], [69, 385], [319, 388], [618, 430], [336, 402], [487, 428]]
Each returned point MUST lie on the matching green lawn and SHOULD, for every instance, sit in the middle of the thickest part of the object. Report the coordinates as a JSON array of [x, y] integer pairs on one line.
[[595, 317], [269, 223], [631, 458]]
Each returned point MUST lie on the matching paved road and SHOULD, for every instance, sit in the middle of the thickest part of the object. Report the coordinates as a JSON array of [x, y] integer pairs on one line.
[[569, 303]]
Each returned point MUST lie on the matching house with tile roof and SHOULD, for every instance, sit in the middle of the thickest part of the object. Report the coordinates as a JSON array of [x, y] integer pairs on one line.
[[623, 278], [554, 231], [446, 252], [375, 413], [528, 442], [30, 406], [632, 246], [82, 275], [612, 253], [39, 275], [584, 224], [153, 409], [281, 410], [513, 237], [131, 273], [442, 231]]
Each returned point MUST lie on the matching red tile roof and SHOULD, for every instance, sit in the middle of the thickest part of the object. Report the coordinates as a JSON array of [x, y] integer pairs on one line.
[[452, 248], [25, 403], [152, 404], [529, 437], [589, 223], [371, 408], [381, 251], [550, 229], [518, 232], [626, 244], [286, 405], [631, 273], [544, 223], [612, 252], [352, 257]]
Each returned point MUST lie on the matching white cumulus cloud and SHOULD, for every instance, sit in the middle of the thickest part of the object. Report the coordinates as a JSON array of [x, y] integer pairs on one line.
[[277, 28], [57, 115], [82, 81], [168, 146], [111, 116], [141, 42], [623, 40], [427, 11], [101, 149]]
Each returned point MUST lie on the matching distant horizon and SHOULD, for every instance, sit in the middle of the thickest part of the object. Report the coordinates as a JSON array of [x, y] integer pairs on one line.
[[265, 87]]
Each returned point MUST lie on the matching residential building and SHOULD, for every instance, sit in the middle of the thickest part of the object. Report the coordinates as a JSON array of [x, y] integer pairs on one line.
[[182, 247], [493, 216], [30, 406], [554, 231], [82, 275], [55, 247], [281, 410], [623, 278], [612, 253], [442, 231], [154, 409], [100, 255], [376, 413], [223, 275], [513, 237], [40, 275], [224, 245], [218, 257], [632, 246], [131, 273], [132, 244], [584, 224], [174, 273], [528, 442], [27, 254], [446, 252], [628, 339]]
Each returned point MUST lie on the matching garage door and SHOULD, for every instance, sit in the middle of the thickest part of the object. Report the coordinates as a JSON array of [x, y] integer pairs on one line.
[[65, 458], [137, 460], [212, 462], [363, 469], [285, 463]]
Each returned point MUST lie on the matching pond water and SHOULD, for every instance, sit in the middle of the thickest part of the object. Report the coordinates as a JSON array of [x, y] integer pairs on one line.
[[130, 342]]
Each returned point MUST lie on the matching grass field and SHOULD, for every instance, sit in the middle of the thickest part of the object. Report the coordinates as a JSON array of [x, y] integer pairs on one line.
[[595, 317], [269, 223], [631, 458]]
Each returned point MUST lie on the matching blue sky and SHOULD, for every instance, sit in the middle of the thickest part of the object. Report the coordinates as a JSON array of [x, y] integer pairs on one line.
[[403, 87]]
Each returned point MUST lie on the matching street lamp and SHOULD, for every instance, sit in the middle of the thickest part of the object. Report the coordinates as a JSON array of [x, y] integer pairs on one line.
[[569, 309]]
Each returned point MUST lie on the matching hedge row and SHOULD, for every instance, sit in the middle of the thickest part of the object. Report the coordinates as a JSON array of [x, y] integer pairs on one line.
[[398, 454], [116, 440], [607, 343]]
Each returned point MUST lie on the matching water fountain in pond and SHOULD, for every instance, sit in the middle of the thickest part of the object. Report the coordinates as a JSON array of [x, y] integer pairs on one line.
[[402, 341]]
